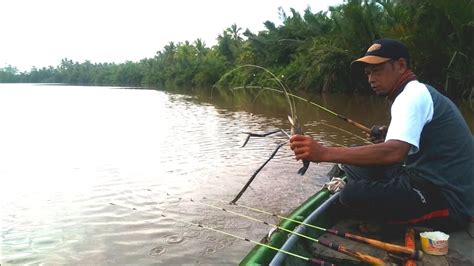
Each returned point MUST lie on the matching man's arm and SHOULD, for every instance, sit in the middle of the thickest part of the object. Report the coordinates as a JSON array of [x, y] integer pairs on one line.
[[389, 152]]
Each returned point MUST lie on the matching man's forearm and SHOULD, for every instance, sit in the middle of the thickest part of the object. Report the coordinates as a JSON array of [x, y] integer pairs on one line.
[[386, 153]]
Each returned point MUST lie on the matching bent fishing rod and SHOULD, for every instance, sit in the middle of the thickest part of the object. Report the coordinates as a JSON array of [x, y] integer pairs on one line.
[[344, 250], [392, 248], [314, 261], [352, 122], [250, 134]]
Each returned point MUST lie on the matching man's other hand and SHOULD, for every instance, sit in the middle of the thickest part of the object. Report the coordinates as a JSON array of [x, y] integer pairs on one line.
[[377, 134]]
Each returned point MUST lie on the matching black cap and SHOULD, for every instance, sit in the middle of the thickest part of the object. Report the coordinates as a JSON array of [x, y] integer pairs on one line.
[[383, 50]]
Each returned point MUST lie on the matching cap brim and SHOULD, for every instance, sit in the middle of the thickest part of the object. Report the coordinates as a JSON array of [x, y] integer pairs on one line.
[[357, 66], [371, 59]]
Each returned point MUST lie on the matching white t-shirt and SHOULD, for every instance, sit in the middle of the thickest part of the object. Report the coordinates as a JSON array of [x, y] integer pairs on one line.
[[410, 112]]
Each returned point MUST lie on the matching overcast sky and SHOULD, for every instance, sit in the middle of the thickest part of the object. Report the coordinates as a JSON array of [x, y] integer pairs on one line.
[[42, 32]]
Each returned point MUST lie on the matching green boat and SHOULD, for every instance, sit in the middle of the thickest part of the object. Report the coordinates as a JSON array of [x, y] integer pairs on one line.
[[322, 210]]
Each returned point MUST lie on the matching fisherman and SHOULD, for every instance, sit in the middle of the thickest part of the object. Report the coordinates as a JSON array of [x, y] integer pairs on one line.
[[422, 172]]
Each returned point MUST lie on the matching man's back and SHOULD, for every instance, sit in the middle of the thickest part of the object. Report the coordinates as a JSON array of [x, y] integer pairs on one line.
[[446, 155]]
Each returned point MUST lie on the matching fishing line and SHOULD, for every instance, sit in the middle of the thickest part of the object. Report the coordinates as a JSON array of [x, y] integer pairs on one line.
[[358, 255], [411, 253], [345, 131], [285, 90], [350, 121], [315, 261], [295, 129]]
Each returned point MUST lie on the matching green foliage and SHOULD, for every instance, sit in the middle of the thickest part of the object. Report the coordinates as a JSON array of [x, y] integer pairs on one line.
[[309, 51], [9, 74]]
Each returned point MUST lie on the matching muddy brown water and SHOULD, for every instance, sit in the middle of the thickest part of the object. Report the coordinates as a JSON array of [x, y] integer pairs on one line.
[[87, 171]]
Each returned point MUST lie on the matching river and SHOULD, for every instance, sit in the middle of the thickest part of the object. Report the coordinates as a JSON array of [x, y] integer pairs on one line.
[[87, 172]]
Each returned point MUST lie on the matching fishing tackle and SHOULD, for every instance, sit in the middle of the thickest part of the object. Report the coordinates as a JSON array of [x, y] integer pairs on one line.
[[358, 255], [346, 119], [393, 248], [314, 261], [295, 128]]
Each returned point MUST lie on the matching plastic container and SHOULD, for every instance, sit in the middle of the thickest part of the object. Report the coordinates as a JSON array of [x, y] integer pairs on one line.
[[434, 243]]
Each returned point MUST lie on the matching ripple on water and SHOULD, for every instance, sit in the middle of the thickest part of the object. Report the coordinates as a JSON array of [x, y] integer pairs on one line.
[[83, 214], [220, 245], [237, 224], [211, 238], [209, 251], [173, 202], [45, 243], [227, 242], [174, 239], [191, 234], [180, 224], [31, 259], [157, 251]]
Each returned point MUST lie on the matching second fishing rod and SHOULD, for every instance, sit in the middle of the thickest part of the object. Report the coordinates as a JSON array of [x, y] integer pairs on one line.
[[348, 120], [389, 247], [355, 254], [393, 248]]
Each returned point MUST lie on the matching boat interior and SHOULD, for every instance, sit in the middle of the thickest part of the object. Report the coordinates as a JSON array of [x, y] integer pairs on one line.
[[460, 243]]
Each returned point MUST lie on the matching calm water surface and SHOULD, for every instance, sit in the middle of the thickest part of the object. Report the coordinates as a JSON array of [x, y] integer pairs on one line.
[[87, 172]]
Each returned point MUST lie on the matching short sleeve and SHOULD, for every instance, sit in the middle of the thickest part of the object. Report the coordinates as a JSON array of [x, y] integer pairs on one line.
[[410, 112]]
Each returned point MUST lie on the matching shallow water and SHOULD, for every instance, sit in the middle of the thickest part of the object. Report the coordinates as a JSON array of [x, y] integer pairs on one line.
[[87, 172]]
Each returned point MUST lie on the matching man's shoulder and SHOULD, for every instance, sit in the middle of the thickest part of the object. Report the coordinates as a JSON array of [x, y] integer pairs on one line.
[[415, 91], [415, 86]]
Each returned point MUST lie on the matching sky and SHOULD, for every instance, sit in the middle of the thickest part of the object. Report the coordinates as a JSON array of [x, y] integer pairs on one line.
[[40, 33]]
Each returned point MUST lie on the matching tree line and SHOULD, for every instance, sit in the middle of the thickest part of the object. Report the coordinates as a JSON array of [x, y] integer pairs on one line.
[[309, 51]]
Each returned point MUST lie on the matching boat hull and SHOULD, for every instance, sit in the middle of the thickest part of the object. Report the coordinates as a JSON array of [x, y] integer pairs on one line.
[[260, 255]]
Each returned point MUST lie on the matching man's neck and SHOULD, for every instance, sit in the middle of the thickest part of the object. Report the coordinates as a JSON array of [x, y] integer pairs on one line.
[[404, 78]]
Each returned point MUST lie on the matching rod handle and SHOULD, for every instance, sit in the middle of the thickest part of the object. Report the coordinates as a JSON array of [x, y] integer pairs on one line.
[[410, 243]]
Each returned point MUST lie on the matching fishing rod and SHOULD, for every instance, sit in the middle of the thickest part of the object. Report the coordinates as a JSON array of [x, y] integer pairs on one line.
[[345, 131], [250, 134], [352, 122], [313, 260], [393, 248], [292, 118], [358, 255]]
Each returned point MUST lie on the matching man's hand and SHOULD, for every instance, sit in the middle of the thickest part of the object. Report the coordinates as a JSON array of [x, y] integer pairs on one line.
[[306, 148], [377, 134], [387, 153]]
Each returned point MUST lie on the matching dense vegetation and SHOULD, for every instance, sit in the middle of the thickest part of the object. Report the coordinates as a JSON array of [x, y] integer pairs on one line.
[[310, 51]]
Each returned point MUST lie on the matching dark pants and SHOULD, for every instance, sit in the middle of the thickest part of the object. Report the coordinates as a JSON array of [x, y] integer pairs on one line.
[[390, 193]]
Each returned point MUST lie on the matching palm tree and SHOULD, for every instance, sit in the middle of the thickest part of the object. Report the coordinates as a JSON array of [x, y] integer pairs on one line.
[[233, 30]]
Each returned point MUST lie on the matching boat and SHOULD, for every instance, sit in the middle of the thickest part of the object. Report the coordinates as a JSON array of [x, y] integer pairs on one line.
[[323, 210]]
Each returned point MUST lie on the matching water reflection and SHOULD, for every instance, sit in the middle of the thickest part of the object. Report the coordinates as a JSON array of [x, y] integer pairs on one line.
[[69, 152]]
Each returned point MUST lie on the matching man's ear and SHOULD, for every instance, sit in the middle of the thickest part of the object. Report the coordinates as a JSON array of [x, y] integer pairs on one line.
[[402, 65]]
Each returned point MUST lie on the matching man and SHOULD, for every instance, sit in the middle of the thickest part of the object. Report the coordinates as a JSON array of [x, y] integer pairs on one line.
[[423, 173]]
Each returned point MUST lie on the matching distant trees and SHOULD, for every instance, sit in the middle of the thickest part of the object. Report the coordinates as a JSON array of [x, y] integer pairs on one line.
[[9, 74], [310, 51]]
